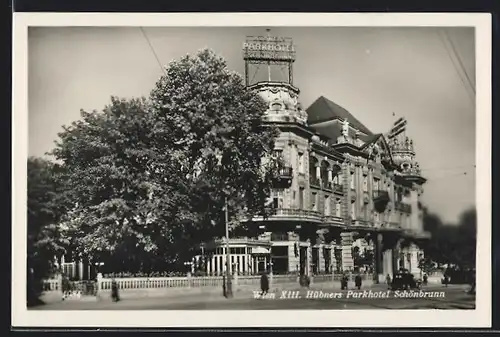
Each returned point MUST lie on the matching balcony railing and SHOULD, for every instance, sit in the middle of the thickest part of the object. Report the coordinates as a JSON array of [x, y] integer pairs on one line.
[[333, 219], [380, 194], [338, 187], [362, 223], [285, 176], [403, 207], [330, 185], [285, 172], [296, 213], [314, 181]]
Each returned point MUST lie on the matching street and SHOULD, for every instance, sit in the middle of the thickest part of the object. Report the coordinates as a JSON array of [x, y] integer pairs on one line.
[[453, 297]]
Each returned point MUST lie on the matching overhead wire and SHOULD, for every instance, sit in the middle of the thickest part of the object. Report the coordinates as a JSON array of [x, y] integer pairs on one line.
[[460, 62], [450, 53], [153, 50]]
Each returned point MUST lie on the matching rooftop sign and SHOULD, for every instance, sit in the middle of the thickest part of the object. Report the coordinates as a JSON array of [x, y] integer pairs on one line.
[[269, 49]]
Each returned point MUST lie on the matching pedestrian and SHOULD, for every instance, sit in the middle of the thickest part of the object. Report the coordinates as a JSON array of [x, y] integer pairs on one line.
[[358, 281], [388, 281], [114, 290], [344, 281], [446, 280], [472, 290], [425, 279], [264, 284]]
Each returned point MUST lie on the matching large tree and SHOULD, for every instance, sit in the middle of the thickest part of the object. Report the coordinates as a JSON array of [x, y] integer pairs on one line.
[[44, 240], [206, 114], [452, 243], [148, 178]]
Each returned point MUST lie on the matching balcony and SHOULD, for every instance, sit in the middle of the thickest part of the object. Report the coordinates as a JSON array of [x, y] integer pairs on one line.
[[338, 188], [331, 219], [391, 226], [333, 187], [314, 181], [380, 200], [284, 178], [289, 214], [380, 194], [402, 207], [362, 223]]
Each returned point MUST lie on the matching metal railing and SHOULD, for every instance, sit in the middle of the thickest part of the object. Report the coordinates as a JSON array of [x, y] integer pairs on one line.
[[290, 212], [333, 219], [314, 181], [380, 194], [285, 172]]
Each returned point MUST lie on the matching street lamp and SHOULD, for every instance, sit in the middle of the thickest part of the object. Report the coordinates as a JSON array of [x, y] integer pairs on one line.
[[229, 290]]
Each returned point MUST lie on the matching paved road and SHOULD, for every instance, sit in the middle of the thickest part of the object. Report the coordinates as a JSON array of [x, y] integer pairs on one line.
[[454, 297]]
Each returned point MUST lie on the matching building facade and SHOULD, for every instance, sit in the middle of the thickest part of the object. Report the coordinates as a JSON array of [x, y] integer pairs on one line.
[[341, 186]]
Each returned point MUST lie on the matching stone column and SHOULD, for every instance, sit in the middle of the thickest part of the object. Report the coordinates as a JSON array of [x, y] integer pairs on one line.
[[330, 175], [414, 219], [359, 191], [387, 262], [308, 258], [293, 261], [377, 250], [333, 260], [321, 258], [414, 252], [347, 260], [80, 270], [370, 207], [346, 203]]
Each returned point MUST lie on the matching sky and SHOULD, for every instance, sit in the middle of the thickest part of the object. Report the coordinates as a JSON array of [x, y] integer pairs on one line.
[[424, 74]]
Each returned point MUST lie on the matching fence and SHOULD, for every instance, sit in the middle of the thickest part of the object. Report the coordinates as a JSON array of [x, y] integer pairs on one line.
[[144, 283]]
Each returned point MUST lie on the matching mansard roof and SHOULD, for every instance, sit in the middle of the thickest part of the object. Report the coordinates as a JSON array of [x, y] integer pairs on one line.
[[324, 110]]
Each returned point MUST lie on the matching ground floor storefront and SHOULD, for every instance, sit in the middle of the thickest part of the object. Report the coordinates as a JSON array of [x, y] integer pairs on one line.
[[276, 252]]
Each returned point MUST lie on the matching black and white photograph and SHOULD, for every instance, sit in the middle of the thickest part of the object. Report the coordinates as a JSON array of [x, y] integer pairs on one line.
[[316, 170]]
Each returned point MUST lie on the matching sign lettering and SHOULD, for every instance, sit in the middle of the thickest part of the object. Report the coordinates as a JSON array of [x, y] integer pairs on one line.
[[269, 49]]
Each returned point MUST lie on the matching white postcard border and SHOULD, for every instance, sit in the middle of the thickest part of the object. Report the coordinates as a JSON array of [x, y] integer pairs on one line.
[[480, 317]]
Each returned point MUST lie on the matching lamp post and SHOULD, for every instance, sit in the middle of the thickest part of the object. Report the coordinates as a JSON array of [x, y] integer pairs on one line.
[[229, 290]]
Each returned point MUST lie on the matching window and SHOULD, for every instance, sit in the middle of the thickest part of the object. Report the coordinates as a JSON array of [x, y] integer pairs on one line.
[[237, 250], [277, 195], [365, 183], [327, 205], [301, 163], [337, 208], [294, 198], [314, 203], [301, 198], [278, 154]]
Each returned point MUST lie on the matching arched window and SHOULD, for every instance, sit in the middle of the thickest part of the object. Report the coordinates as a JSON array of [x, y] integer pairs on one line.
[[313, 161], [338, 210], [324, 172]]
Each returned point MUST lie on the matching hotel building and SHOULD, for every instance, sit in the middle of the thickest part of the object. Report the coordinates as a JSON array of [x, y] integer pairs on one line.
[[341, 186]]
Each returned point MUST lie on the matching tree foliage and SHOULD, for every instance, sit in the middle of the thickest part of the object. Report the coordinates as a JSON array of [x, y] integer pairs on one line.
[[147, 178], [452, 244], [44, 240]]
